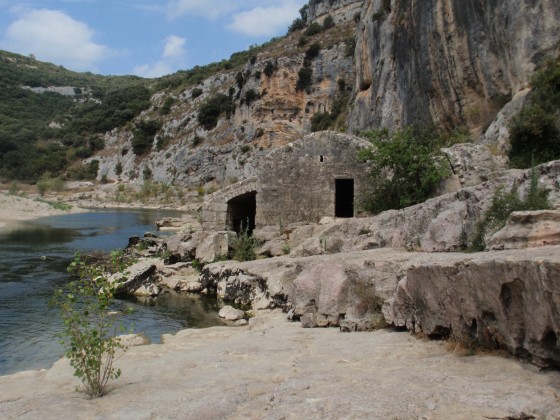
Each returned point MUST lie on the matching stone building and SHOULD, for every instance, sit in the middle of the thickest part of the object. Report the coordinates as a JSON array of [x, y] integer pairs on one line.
[[317, 176]]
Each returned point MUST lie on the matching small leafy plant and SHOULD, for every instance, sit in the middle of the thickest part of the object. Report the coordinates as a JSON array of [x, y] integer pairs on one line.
[[243, 246], [90, 331]]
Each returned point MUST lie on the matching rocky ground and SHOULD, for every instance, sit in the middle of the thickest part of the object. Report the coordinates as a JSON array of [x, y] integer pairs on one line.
[[13, 208], [275, 369]]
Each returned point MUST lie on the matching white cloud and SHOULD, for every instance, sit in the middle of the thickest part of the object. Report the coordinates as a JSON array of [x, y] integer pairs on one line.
[[265, 21], [157, 69], [174, 47], [210, 9], [171, 59], [54, 36]]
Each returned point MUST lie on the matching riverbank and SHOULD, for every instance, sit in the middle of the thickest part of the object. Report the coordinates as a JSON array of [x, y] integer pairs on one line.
[[15, 208], [275, 369]]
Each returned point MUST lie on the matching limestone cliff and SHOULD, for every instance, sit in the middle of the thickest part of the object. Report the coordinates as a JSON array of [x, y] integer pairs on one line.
[[454, 62]]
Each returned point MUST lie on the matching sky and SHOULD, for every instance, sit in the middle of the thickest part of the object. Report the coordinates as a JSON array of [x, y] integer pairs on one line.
[[148, 38]]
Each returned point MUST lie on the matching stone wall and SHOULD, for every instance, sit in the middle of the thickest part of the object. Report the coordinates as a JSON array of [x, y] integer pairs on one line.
[[214, 210], [297, 182]]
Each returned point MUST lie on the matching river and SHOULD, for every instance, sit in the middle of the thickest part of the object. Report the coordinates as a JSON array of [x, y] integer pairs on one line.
[[33, 260]]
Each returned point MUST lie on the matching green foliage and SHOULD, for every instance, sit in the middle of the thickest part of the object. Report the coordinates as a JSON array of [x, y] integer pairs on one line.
[[197, 140], [196, 92], [313, 29], [166, 107], [90, 331], [251, 96], [245, 148], [305, 77], [244, 246], [296, 25], [407, 167], [212, 109], [327, 120], [269, 68], [535, 130], [81, 172], [144, 133], [328, 23], [313, 51], [118, 168], [29, 146], [14, 188], [503, 204]]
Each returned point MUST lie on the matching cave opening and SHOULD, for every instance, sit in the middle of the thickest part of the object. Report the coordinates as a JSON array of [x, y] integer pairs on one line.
[[241, 212]]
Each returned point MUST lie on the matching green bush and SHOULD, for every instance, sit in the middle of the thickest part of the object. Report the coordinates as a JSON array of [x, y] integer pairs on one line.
[[244, 246], [251, 96], [313, 29], [328, 23], [535, 130], [296, 25], [212, 109], [313, 51], [144, 133], [305, 77], [90, 331], [196, 92], [407, 167], [269, 68], [503, 204]]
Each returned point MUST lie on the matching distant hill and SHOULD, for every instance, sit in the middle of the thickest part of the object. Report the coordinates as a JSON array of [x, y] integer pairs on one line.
[[51, 116]]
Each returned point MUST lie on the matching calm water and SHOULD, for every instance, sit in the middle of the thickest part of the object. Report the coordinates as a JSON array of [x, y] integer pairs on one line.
[[33, 260]]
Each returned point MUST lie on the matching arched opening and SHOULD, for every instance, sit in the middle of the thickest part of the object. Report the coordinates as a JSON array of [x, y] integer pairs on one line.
[[241, 212], [344, 198]]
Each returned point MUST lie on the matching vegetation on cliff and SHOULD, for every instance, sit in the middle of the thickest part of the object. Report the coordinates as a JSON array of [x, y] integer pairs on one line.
[[535, 130], [407, 167]]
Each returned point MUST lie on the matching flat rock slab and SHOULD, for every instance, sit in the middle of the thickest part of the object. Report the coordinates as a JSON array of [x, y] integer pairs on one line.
[[275, 369]]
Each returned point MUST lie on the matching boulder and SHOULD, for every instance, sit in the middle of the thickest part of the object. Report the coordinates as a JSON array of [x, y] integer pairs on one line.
[[229, 313], [500, 299], [471, 164], [214, 246], [135, 276], [148, 289], [527, 229], [170, 224]]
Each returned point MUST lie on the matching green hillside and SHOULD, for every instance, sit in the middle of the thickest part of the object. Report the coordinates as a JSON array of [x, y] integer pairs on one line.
[[46, 131]]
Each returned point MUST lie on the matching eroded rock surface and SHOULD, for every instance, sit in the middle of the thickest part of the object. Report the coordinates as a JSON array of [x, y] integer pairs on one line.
[[527, 229]]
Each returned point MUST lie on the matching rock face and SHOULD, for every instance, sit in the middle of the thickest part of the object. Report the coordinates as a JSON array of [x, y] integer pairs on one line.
[[527, 229], [453, 62], [138, 279], [344, 290], [500, 300]]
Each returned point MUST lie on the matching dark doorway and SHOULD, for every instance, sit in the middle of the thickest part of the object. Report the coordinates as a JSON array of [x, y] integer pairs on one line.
[[241, 212], [344, 198]]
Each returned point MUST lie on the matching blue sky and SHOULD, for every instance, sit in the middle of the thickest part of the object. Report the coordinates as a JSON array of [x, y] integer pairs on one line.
[[148, 38]]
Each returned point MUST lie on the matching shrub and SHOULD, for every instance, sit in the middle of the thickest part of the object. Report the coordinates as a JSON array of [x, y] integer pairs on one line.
[[144, 133], [313, 29], [535, 130], [328, 23], [305, 75], [296, 25], [196, 92], [269, 68], [197, 140], [90, 332], [166, 107], [313, 51], [243, 246], [212, 109], [250, 96], [503, 204], [118, 168], [407, 167]]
